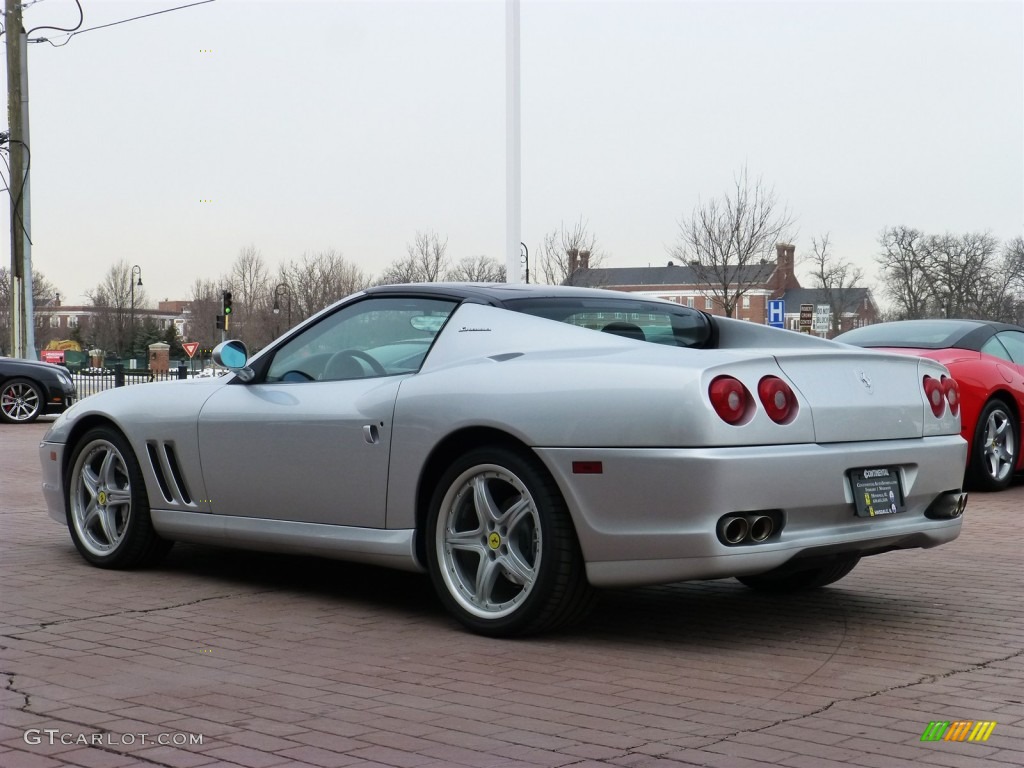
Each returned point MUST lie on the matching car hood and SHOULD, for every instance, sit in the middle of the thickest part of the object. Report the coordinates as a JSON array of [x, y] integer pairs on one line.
[[151, 403], [17, 365]]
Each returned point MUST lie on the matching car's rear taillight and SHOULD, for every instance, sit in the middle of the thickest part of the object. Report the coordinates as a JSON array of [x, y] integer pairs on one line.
[[952, 392], [933, 392], [729, 398], [777, 398]]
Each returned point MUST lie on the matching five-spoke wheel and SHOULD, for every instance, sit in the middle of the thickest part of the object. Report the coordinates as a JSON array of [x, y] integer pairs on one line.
[[501, 548], [107, 508], [21, 401], [996, 443]]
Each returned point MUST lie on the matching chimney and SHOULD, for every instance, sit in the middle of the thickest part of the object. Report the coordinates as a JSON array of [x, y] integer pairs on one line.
[[584, 259], [785, 268], [574, 260]]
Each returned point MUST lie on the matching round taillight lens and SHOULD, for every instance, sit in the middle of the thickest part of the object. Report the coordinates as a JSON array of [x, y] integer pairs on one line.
[[952, 392], [777, 398], [935, 396], [729, 398]]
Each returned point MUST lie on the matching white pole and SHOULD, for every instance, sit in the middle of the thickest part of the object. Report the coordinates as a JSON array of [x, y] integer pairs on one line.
[[513, 163]]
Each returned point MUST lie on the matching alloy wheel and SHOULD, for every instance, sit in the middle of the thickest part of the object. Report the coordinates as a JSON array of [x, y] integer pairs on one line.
[[100, 498], [20, 401], [488, 541]]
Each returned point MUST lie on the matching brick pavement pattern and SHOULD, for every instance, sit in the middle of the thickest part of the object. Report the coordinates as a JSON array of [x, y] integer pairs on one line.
[[284, 661]]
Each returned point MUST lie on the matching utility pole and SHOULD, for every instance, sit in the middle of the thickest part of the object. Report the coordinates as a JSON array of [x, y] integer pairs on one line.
[[23, 342]]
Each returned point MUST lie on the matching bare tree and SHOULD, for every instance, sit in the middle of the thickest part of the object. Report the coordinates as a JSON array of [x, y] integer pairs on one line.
[[903, 265], [478, 269], [963, 275], [836, 280], [43, 294], [564, 251], [730, 241], [316, 280], [950, 275], [249, 283], [204, 306], [426, 261], [116, 299]]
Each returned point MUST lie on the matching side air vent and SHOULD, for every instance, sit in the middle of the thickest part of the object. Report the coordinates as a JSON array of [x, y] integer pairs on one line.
[[168, 473], [172, 462], [158, 470]]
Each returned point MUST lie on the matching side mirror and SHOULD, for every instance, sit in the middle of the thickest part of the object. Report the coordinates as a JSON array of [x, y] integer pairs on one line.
[[233, 355]]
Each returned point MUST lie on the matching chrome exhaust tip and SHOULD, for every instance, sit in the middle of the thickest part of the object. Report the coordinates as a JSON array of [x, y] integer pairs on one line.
[[761, 527], [733, 529]]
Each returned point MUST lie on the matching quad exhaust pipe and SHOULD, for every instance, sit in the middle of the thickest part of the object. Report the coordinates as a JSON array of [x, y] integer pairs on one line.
[[748, 528], [948, 506]]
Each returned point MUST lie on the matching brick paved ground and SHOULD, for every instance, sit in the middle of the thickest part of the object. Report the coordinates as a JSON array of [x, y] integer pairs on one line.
[[276, 661]]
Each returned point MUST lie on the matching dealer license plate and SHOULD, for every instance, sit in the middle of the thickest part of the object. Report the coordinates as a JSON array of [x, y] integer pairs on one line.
[[876, 491]]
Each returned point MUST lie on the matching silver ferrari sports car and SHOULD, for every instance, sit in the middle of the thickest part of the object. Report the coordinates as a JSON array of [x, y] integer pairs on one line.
[[524, 445]]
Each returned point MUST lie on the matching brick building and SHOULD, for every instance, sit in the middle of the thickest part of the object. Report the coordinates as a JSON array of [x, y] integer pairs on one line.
[[768, 281]]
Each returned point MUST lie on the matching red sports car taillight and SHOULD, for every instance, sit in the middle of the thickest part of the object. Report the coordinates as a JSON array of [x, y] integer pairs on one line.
[[777, 398], [729, 398], [952, 392], [933, 392]]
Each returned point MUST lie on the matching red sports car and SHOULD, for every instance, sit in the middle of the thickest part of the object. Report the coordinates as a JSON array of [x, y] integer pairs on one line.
[[987, 361]]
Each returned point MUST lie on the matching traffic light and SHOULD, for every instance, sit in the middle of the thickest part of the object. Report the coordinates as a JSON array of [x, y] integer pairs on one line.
[[227, 303], [220, 322]]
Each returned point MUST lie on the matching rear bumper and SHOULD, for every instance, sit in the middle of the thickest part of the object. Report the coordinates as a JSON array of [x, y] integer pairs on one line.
[[652, 515]]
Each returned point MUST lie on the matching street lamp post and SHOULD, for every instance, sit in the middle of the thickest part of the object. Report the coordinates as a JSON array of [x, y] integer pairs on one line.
[[136, 270], [526, 260], [282, 290]]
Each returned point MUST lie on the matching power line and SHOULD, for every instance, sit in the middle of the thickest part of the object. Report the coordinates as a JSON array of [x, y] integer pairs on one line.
[[81, 18], [112, 24], [10, 194]]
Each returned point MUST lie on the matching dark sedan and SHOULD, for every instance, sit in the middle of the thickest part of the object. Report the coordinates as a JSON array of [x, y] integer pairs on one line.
[[987, 361], [29, 389]]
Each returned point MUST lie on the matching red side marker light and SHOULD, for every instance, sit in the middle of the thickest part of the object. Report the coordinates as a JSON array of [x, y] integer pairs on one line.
[[587, 468]]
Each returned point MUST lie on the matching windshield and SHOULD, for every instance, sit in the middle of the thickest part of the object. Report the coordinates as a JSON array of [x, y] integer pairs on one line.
[[918, 334]]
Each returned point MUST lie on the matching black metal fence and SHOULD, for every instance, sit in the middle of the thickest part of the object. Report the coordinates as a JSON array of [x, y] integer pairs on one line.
[[90, 382]]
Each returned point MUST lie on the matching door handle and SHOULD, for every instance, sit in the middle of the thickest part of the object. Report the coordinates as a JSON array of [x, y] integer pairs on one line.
[[370, 434]]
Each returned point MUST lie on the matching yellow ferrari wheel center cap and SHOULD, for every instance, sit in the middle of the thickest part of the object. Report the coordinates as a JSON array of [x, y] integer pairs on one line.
[[494, 541], [101, 497]]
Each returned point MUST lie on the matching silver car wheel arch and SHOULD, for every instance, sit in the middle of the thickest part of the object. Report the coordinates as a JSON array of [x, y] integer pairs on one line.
[[100, 498], [505, 540], [1000, 452]]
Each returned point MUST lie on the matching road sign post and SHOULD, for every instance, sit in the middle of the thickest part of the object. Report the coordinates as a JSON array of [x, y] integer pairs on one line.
[[822, 318], [777, 313], [806, 317]]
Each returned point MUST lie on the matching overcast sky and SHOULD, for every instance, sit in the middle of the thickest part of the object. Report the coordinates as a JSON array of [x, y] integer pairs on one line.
[[353, 125]]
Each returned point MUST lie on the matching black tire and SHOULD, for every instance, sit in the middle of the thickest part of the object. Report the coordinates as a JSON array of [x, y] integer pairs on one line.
[[514, 566], [106, 503], [21, 401], [788, 580], [995, 449]]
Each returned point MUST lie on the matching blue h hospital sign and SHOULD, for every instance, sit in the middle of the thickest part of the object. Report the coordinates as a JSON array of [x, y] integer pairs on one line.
[[777, 313]]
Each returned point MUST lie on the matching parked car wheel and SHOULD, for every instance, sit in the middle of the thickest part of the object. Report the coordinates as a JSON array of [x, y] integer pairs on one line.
[[502, 551], [107, 508], [996, 444], [797, 581], [21, 401]]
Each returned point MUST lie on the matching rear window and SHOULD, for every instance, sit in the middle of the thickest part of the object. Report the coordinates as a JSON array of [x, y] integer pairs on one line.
[[917, 334], [649, 321]]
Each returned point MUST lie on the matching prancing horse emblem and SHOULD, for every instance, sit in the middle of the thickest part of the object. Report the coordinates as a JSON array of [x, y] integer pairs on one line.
[[865, 380]]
